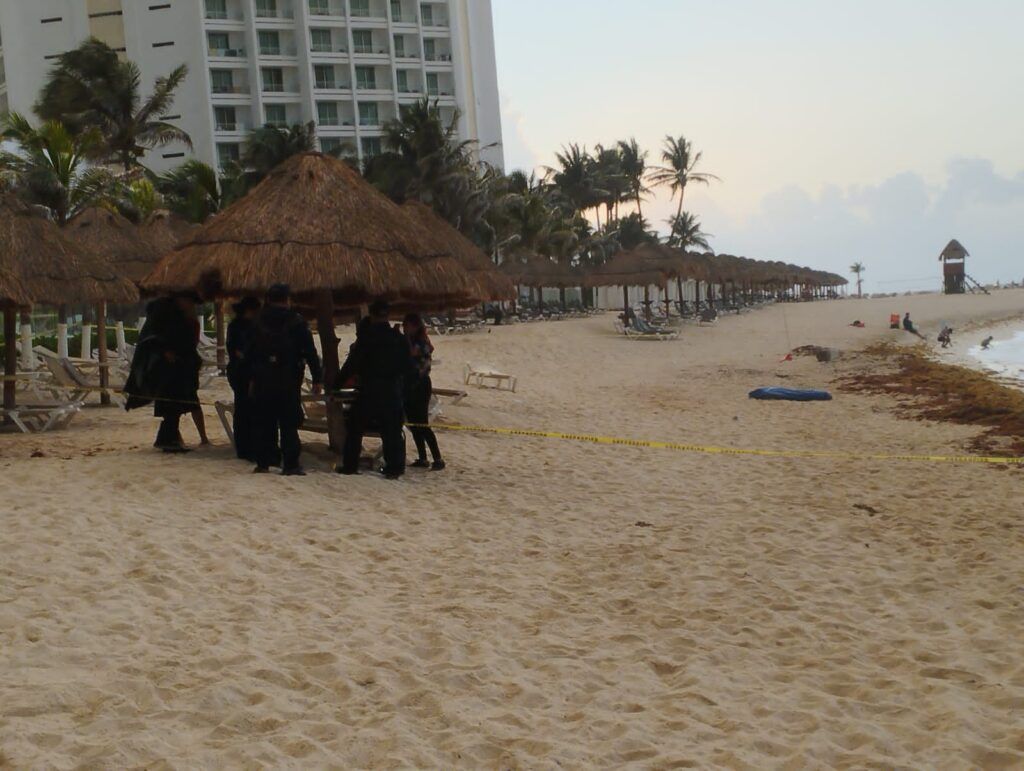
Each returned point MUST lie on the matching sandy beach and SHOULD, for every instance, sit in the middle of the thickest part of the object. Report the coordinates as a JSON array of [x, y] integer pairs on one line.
[[542, 603]]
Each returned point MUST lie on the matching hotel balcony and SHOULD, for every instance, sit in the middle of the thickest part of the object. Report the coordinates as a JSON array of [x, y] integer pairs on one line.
[[326, 9], [227, 13], [369, 10]]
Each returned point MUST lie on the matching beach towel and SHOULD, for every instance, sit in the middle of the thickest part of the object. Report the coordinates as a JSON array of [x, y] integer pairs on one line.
[[791, 395]]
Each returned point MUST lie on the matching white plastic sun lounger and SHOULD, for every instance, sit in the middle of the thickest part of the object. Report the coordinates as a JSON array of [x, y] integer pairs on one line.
[[37, 418], [489, 378]]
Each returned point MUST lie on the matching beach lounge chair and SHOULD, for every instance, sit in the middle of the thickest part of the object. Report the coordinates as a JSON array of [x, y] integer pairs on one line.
[[37, 418], [484, 377], [77, 385], [642, 330]]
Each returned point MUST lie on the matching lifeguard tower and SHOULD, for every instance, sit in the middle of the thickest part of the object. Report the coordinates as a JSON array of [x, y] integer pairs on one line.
[[954, 270]]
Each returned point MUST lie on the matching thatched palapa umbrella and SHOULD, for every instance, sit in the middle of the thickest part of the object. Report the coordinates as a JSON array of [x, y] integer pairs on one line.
[[39, 264], [638, 267], [491, 284], [317, 225], [542, 273]]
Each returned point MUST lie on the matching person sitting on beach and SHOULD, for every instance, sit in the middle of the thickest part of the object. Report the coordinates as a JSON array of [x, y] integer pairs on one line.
[[986, 342], [946, 337], [894, 321], [859, 324], [628, 316], [908, 325]]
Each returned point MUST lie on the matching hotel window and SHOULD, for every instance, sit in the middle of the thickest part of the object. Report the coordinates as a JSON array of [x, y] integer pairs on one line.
[[362, 41], [327, 113], [273, 80], [219, 42], [216, 9], [330, 145], [319, 8], [402, 81], [371, 147], [427, 14], [323, 75], [266, 9], [224, 118], [430, 49], [366, 78], [270, 42], [320, 40], [433, 85], [360, 8], [228, 153], [399, 46], [222, 81], [396, 10], [276, 115], [368, 114]]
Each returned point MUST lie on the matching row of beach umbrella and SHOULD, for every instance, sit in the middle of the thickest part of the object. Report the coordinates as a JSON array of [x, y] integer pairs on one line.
[[317, 225]]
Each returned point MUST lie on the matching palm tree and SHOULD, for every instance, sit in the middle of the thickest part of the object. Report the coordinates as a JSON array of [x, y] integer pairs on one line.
[[91, 88], [680, 168], [611, 179], [858, 270], [50, 167], [193, 191], [686, 233], [633, 230], [634, 166], [50, 170], [576, 179]]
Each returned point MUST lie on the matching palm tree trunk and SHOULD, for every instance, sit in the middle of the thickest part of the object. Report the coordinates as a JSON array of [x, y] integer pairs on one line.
[[682, 192]]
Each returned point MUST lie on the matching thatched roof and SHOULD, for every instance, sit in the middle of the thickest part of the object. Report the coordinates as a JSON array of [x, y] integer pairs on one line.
[[317, 225], [168, 231], [633, 268], [491, 284], [954, 251], [541, 272], [124, 245], [40, 264]]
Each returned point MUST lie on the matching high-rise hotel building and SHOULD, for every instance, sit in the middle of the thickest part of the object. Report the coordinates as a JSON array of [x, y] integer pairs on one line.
[[348, 65]]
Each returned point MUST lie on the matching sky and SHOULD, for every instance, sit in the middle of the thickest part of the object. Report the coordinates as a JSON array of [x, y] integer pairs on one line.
[[842, 130]]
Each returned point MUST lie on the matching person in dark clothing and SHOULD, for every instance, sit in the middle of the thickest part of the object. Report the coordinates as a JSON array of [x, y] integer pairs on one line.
[[277, 356], [378, 361], [418, 392], [241, 331], [165, 368]]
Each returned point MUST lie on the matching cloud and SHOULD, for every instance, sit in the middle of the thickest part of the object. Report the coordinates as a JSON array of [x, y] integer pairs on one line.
[[519, 155], [896, 228]]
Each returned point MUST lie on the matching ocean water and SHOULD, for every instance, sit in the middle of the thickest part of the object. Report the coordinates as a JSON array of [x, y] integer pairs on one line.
[[1004, 357]]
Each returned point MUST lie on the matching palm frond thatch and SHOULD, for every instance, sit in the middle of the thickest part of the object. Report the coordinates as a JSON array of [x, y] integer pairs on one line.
[[126, 246], [39, 264], [491, 284], [954, 251], [316, 225]]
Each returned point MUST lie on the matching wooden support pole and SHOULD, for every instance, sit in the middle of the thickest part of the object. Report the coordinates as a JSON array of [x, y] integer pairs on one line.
[[328, 339], [10, 355], [101, 332]]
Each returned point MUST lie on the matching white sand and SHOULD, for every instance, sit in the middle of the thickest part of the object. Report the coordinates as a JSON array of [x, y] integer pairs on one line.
[[510, 613]]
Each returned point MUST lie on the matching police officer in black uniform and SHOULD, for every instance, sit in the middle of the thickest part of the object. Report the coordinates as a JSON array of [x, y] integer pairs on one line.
[[281, 349], [379, 361]]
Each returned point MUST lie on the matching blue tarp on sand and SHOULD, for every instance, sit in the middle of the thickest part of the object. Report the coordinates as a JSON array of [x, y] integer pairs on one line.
[[791, 395]]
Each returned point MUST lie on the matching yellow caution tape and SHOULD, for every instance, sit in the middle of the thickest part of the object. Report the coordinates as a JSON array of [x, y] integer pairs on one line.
[[711, 450]]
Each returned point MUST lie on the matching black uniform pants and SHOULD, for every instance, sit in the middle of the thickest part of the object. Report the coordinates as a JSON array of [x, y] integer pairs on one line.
[[417, 412], [169, 433], [278, 418], [244, 424], [378, 409]]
